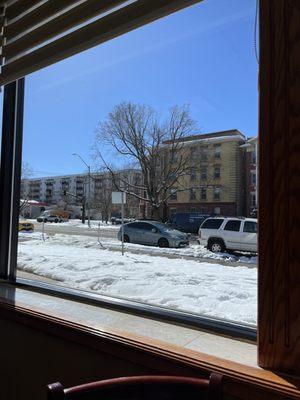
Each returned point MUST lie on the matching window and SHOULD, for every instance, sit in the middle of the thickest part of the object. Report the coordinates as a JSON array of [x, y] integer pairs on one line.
[[217, 149], [203, 193], [217, 172], [193, 210], [86, 96], [253, 178], [193, 153], [217, 210], [232, 225], [212, 223], [192, 194], [173, 211], [203, 174], [253, 200], [193, 174], [250, 227], [217, 192], [174, 194], [204, 153]]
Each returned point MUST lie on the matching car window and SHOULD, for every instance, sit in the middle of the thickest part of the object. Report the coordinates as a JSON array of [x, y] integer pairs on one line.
[[212, 223], [134, 225], [233, 225], [147, 227], [250, 226]]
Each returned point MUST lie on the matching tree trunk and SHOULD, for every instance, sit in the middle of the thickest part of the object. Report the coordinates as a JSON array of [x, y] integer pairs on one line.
[[155, 213]]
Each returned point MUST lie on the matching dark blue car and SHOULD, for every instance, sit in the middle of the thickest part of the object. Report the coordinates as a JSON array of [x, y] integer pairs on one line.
[[188, 222]]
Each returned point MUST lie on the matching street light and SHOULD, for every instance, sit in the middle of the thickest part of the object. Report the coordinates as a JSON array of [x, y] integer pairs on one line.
[[89, 187]]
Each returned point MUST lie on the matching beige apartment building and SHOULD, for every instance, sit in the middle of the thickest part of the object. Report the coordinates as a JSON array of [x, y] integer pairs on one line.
[[214, 181]]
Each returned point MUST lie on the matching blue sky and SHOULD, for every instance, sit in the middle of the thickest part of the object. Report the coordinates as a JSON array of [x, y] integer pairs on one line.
[[202, 56]]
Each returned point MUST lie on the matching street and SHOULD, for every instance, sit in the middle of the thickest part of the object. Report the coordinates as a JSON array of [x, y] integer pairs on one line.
[[108, 238]]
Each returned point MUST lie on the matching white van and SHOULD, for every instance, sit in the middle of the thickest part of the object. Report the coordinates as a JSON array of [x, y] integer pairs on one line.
[[226, 233]]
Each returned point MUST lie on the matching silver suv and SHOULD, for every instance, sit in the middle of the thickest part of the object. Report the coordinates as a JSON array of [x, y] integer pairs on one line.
[[221, 234], [153, 233]]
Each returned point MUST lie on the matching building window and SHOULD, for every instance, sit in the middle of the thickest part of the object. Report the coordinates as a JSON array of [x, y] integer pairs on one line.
[[193, 209], [253, 157], [193, 153], [217, 210], [173, 211], [217, 172], [193, 174], [253, 178], [203, 172], [217, 149], [204, 153], [192, 194], [203, 193], [217, 192], [173, 194], [253, 200]]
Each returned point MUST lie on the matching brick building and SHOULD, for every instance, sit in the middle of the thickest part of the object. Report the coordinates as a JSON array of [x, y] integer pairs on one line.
[[215, 182]]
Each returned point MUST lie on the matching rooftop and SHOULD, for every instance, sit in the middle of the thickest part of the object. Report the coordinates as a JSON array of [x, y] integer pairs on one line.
[[235, 133]]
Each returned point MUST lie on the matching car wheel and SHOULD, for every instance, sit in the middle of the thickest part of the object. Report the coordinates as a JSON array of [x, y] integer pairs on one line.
[[216, 246], [126, 239], [163, 242], [45, 220], [56, 220]]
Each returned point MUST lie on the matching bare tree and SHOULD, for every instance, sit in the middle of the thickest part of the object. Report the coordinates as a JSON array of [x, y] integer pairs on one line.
[[136, 132], [103, 200], [26, 172]]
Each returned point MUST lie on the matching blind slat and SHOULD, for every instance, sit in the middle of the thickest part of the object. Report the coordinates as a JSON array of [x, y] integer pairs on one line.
[[104, 28], [57, 25], [18, 7], [34, 16]]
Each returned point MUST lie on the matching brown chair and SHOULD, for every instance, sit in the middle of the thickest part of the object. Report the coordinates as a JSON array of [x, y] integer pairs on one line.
[[142, 388]]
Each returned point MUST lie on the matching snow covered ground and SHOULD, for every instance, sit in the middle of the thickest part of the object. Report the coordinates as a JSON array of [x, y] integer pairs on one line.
[[78, 224], [204, 288]]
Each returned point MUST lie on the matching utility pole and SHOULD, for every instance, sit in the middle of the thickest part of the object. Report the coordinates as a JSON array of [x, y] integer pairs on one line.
[[89, 191]]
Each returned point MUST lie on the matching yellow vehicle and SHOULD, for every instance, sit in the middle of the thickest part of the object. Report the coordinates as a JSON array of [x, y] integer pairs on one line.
[[25, 226]]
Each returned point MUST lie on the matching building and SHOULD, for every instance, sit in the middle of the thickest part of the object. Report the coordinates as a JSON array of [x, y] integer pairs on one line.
[[214, 182], [68, 191], [251, 174]]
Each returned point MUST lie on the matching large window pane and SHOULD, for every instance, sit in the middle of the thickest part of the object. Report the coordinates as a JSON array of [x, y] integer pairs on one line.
[[168, 115]]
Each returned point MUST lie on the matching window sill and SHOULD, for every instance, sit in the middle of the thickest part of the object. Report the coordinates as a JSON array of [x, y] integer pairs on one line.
[[192, 348]]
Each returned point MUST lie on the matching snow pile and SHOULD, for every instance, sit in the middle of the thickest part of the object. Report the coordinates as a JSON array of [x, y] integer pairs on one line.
[[203, 288]]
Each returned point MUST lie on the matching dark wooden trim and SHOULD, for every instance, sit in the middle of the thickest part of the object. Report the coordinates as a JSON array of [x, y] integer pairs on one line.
[[10, 176], [279, 189], [160, 358]]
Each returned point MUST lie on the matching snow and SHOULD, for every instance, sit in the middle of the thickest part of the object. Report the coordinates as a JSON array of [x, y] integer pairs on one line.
[[78, 224], [205, 288]]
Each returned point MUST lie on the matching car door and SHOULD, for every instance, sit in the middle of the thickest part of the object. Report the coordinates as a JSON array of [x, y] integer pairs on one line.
[[150, 236], [135, 232], [249, 236], [232, 234]]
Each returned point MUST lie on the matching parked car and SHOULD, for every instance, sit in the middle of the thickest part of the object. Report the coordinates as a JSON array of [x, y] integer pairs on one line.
[[54, 216], [221, 234], [188, 222], [118, 221], [153, 233], [25, 225]]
